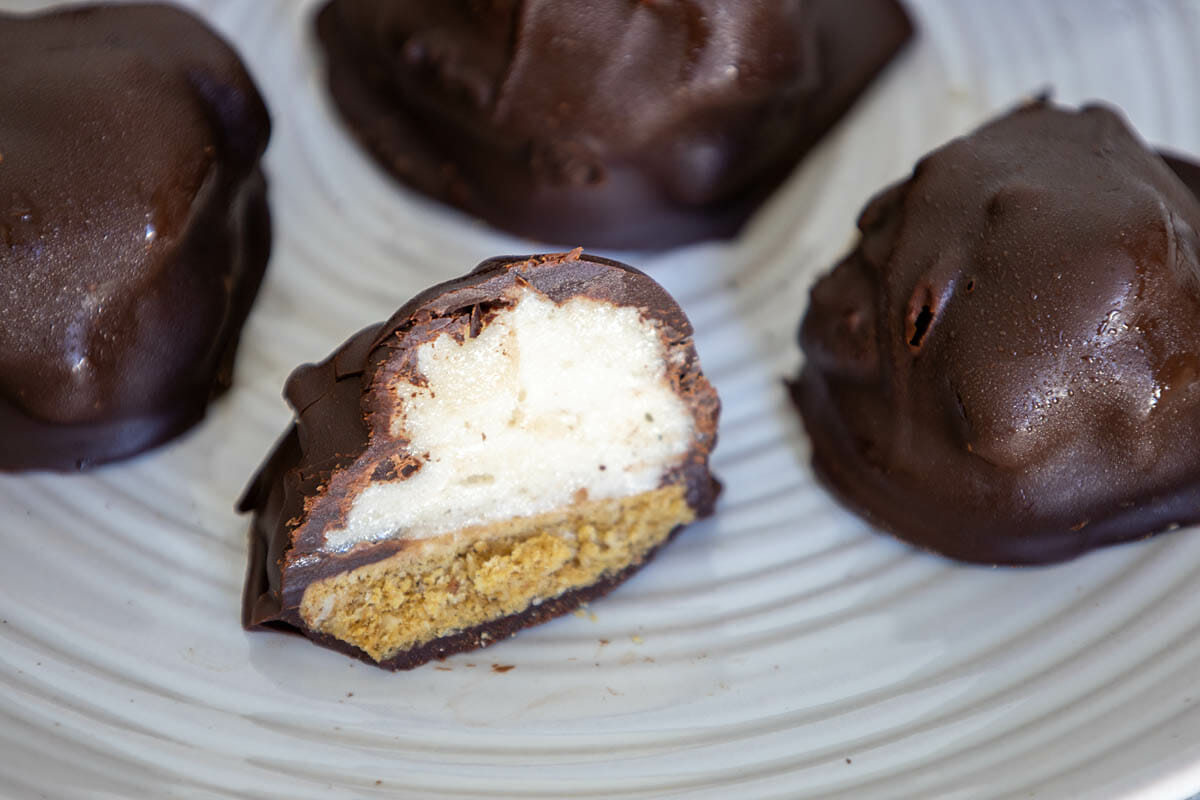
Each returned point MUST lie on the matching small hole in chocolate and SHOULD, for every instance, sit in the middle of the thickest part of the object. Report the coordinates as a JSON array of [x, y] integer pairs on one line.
[[970, 286], [921, 326], [962, 407]]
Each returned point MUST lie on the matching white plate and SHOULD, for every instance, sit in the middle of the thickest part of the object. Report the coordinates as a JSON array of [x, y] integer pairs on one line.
[[781, 649]]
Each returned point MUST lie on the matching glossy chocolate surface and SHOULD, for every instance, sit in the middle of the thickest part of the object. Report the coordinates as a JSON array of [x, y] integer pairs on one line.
[[337, 401], [1006, 369], [614, 124], [133, 228]]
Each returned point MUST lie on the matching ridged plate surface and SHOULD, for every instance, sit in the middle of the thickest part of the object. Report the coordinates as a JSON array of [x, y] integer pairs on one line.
[[781, 649]]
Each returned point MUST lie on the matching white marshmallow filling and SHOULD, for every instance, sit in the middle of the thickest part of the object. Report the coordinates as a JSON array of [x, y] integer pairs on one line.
[[548, 405]]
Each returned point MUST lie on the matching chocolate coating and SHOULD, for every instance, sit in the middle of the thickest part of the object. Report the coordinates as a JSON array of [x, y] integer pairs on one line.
[[337, 400], [1006, 369], [134, 229], [619, 124]]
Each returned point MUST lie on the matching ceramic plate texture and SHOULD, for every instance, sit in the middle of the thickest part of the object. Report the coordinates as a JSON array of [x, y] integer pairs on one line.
[[780, 649]]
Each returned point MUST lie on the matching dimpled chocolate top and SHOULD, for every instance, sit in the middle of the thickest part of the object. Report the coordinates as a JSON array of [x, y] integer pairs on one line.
[[1007, 367], [614, 123], [133, 229]]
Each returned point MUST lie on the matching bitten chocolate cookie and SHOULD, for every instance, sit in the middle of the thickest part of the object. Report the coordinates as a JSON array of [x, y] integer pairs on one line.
[[133, 228], [614, 123], [507, 446], [1006, 369]]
